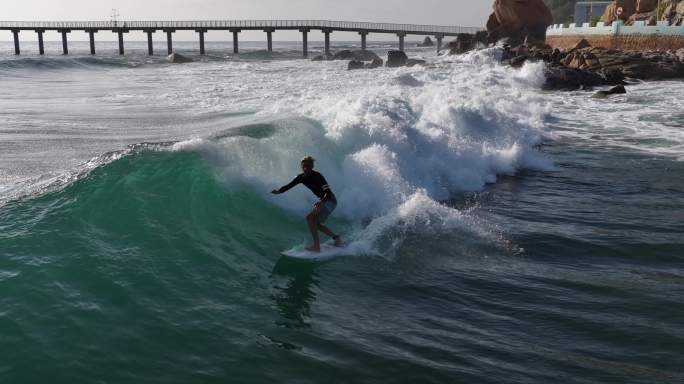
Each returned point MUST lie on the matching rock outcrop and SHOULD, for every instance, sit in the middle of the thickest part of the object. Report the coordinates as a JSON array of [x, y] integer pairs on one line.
[[355, 64], [465, 42], [649, 17], [674, 12], [645, 11], [643, 6], [377, 63], [343, 55], [617, 90], [396, 59], [589, 67], [519, 20], [177, 58], [427, 42], [628, 9], [359, 54]]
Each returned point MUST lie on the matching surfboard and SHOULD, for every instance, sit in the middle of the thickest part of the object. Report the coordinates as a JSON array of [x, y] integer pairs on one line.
[[328, 251]]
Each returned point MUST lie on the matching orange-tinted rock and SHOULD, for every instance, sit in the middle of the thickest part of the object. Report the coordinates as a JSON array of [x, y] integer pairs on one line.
[[519, 17], [644, 6], [649, 17], [674, 13], [610, 14]]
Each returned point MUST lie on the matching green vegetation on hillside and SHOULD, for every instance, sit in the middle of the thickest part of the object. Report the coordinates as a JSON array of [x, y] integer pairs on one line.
[[562, 10]]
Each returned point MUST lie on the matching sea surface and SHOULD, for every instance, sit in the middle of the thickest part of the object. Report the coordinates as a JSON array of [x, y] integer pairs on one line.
[[496, 233]]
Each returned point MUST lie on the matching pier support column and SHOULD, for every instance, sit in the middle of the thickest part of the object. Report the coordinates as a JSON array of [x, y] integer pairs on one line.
[[305, 41], [327, 33], [91, 38], [236, 48], [169, 40], [41, 45], [201, 39], [150, 44], [17, 50], [401, 35], [439, 39], [65, 42], [269, 38], [363, 39], [120, 32]]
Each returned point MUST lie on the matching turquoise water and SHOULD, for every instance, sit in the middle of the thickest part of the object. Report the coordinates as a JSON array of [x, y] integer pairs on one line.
[[160, 262]]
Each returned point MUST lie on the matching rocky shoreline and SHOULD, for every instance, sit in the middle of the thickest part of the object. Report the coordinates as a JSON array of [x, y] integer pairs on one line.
[[584, 67]]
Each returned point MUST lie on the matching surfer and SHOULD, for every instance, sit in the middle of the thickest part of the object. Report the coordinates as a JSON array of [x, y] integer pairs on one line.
[[322, 209]]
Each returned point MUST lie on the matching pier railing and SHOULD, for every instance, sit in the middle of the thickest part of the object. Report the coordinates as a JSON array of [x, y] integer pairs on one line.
[[242, 24]]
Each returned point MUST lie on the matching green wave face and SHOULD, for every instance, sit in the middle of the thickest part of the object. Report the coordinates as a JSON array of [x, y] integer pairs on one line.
[[149, 204], [139, 266]]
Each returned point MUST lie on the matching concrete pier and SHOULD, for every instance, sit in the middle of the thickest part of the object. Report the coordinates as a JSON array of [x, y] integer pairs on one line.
[[234, 26], [91, 38], [401, 40], [327, 33], [201, 39], [41, 45], [169, 40], [17, 49], [120, 32], [236, 49], [65, 42], [150, 44], [269, 38], [305, 41]]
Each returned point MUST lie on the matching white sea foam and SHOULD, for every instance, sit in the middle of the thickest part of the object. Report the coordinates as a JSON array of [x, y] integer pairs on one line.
[[394, 150], [648, 119]]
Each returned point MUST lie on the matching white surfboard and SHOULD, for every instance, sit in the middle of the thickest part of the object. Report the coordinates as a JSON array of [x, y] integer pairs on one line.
[[328, 251]]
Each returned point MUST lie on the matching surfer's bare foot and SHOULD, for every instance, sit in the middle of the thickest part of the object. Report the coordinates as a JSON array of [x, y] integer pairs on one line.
[[313, 248], [338, 241]]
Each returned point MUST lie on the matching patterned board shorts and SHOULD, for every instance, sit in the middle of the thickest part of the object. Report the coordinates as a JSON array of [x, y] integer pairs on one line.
[[326, 209]]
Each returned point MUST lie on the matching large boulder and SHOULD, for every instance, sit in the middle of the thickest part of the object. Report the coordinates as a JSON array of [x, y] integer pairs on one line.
[[343, 55], [462, 44], [644, 6], [610, 14], [396, 59], [519, 19], [649, 17], [355, 64], [377, 63], [680, 54], [427, 42], [617, 90], [674, 12], [177, 58], [563, 78], [359, 54], [365, 55]]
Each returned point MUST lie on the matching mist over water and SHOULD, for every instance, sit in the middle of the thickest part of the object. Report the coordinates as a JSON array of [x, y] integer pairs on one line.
[[497, 233]]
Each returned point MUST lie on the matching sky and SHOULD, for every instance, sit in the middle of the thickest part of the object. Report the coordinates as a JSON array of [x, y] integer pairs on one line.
[[438, 12]]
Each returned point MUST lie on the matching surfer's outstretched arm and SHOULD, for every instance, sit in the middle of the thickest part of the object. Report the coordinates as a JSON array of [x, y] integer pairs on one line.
[[287, 187]]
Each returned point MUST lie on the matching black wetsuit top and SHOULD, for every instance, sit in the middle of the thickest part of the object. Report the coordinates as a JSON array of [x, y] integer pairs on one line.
[[315, 182]]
